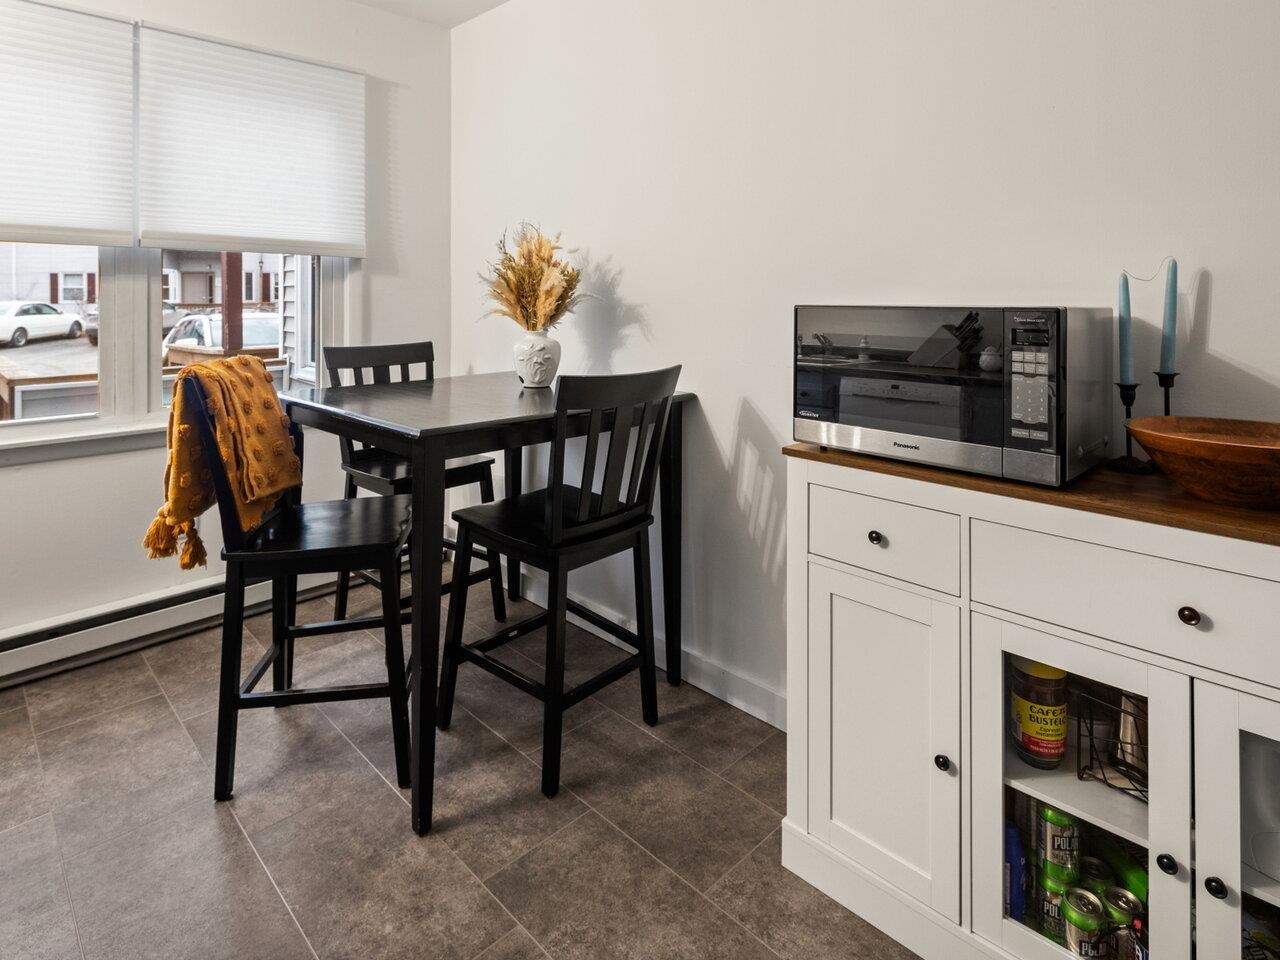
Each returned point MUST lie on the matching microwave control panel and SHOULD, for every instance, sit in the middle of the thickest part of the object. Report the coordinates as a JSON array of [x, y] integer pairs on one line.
[[1031, 381]]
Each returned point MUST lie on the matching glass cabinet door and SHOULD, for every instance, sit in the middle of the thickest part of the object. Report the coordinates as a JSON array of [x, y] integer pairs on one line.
[[1081, 799], [1237, 890]]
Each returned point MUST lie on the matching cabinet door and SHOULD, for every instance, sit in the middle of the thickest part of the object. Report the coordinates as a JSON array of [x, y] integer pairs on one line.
[[1117, 826], [1237, 824], [884, 732]]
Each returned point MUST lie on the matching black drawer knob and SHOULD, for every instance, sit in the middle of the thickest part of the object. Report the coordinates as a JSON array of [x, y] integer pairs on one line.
[[876, 537], [1167, 864], [1189, 615], [942, 762], [1216, 887]]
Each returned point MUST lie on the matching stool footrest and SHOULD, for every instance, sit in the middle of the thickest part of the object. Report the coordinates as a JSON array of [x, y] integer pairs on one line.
[[284, 698]]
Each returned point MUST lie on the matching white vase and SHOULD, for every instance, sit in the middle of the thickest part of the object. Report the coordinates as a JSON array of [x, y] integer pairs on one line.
[[537, 359]]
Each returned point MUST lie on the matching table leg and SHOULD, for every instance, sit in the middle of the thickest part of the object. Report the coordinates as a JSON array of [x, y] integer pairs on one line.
[[671, 490], [426, 544], [514, 480]]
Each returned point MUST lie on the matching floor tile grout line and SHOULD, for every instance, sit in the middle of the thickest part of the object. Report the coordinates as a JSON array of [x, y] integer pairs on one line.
[[57, 841], [498, 900], [101, 713], [245, 833], [745, 857], [718, 776], [654, 857], [647, 851], [275, 886]]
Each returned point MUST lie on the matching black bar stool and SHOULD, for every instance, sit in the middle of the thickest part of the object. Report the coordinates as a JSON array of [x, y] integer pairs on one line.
[[295, 538], [568, 526], [386, 474]]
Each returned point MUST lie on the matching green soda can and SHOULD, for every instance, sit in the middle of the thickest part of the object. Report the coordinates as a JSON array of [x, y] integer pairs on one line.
[[1121, 905], [1052, 893], [1058, 844], [1084, 924], [1095, 875]]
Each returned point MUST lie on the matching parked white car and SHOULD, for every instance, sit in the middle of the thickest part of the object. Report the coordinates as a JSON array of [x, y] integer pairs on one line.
[[260, 329], [21, 320]]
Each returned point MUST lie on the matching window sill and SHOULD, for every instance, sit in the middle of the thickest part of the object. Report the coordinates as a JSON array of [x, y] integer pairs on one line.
[[87, 438]]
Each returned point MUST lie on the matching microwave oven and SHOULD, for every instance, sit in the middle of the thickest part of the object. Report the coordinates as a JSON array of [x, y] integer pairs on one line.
[[1017, 392]]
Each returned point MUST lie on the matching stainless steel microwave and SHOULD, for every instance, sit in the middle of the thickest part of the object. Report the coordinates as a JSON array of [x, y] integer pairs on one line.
[[1018, 392]]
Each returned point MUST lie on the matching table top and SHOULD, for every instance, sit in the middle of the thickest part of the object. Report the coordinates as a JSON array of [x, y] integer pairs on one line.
[[424, 408], [1151, 498]]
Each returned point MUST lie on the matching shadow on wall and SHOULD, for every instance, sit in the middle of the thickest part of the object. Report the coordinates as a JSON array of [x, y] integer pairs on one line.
[[1208, 385], [605, 323], [747, 529]]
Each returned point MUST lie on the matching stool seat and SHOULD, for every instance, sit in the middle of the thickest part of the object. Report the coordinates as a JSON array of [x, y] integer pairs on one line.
[[343, 531], [519, 524]]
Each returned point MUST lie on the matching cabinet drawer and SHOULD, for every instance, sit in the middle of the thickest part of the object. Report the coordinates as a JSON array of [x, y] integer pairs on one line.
[[1131, 598], [915, 544]]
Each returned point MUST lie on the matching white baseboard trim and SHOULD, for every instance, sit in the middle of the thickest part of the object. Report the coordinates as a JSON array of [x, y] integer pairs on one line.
[[747, 694], [166, 620]]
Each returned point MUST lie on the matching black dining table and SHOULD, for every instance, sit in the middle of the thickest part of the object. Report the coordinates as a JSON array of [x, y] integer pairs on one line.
[[432, 421]]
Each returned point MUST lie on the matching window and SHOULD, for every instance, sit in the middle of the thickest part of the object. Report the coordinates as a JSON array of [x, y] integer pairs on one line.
[[50, 365], [73, 287], [116, 203]]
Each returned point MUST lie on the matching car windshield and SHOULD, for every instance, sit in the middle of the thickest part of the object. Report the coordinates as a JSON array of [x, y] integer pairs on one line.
[[256, 332]]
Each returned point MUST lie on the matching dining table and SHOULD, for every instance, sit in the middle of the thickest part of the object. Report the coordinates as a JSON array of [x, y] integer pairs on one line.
[[428, 422]]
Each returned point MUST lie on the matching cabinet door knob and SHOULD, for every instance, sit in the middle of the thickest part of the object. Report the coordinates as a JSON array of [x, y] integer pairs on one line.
[[1216, 887], [942, 762], [876, 537], [1167, 864], [1189, 615]]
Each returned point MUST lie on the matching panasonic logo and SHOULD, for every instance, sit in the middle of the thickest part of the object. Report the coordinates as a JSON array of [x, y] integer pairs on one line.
[[906, 446], [808, 413]]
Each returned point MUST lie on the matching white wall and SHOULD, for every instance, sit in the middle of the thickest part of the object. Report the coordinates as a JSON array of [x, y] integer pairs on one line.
[[72, 529], [720, 161]]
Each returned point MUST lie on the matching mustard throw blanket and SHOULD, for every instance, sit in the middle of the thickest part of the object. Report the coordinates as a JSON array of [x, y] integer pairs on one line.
[[253, 437]]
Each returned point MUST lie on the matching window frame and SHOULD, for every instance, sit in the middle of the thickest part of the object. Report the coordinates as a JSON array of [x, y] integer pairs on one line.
[[131, 414], [64, 297]]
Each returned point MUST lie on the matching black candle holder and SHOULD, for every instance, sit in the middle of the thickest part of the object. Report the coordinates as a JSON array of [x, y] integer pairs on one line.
[[1128, 463], [1166, 384]]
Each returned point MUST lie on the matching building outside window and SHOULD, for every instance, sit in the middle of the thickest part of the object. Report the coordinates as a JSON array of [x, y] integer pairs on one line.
[[74, 288]]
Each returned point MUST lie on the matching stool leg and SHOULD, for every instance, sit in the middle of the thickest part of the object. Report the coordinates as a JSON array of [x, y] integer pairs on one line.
[[394, 642], [453, 629], [553, 684], [344, 578], [279, 631], [495, 565], [291, 618], [229, 682], [644, 629]]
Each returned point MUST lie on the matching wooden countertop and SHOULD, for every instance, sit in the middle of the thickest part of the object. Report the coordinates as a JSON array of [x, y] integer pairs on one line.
[[1151, 499]]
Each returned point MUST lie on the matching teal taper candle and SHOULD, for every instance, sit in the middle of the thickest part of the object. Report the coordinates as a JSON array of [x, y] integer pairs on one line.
[[1125, 328], [1170, 332]]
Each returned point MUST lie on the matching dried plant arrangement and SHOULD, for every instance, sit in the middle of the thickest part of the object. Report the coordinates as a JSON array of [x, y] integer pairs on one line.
[[529, 283]]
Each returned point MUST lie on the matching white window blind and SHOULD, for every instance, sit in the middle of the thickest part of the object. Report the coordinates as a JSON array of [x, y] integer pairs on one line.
[[242, 150], [66, 123]]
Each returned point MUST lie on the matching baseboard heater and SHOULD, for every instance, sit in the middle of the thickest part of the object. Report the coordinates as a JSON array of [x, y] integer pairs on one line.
[[98, 636]]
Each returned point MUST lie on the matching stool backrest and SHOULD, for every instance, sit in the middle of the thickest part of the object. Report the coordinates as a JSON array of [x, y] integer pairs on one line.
[[378, 359], [233, 538], [631, 409]]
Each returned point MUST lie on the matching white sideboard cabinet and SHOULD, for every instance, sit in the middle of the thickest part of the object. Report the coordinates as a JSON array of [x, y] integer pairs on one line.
[[912, 595]]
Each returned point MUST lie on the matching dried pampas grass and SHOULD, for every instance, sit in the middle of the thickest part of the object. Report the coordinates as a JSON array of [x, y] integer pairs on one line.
[[529, 283]]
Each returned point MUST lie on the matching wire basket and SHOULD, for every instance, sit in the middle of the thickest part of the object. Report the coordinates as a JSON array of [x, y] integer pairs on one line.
[[1111, 742]]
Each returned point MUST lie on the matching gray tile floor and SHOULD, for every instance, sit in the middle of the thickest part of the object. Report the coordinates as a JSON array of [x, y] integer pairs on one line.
[[663, 842]]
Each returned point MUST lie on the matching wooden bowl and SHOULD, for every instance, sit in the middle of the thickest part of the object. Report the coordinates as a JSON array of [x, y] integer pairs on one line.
[[1235, 462]]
